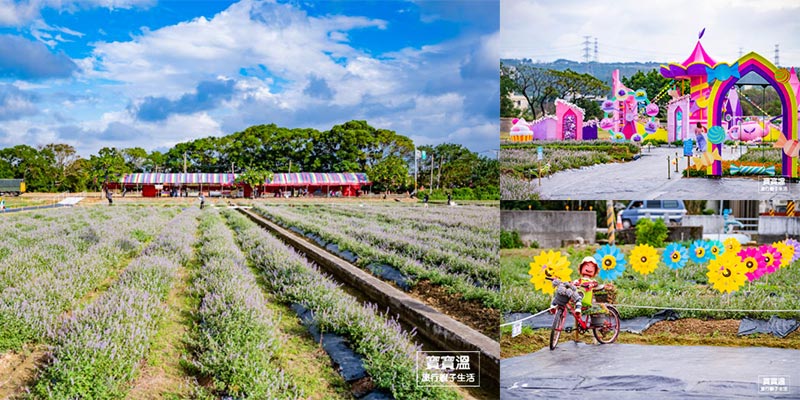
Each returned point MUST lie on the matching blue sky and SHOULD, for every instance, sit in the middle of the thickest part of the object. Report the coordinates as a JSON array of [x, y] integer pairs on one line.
[[149, 73]]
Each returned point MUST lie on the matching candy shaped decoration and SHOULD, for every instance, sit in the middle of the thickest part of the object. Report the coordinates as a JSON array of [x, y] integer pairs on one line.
[[787, 253], [636, 137], [700, 251], [752, 170], [716, 134], [771, 257], [675, 256], [752, 262], [608, 106], [726, 274], [706, 159], [644, 259], [782, 75], [549, 264], [606, 123], [651, 127], [640, 95], [612, 262], [790, 147], [651, 109]]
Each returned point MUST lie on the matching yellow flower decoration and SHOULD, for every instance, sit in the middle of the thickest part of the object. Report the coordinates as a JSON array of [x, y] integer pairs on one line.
[[549, 264], [644, 259], [732, 245], [726, 273], [787, 253]]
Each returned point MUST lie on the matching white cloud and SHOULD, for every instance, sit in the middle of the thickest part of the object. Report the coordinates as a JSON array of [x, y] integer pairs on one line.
[[23, 12]]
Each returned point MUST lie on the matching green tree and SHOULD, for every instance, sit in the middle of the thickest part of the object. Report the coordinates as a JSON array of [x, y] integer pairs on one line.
[[107, 166], [36, 167], [135, 158], [154, 161], [389, 174], [507, 87], [254, 177]]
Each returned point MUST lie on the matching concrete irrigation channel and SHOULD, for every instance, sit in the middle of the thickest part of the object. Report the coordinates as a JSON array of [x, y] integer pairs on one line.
[[442, 331]]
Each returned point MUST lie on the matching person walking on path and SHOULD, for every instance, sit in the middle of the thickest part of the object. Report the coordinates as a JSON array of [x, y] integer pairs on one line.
[[108, 196], [202, 200], [699, 134], [450, 199], [425, 200], [2, 204]]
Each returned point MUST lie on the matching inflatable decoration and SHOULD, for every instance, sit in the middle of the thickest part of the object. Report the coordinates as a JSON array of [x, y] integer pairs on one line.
[[752, 170], [752, 262], [726, 273], [700, 251], [550, 264], [612, 262], [675, 256], [644, 259], [787, 253]]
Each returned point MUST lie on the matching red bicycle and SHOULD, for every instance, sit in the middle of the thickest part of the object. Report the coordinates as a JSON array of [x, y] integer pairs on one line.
[[605, 327]]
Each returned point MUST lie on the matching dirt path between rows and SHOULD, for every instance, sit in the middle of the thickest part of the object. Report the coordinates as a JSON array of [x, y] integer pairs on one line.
[[18, 370]]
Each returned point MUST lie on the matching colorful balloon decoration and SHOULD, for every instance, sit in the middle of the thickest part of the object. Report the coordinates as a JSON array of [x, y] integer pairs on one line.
[[787, 253], [700, 251], [675, 256], [753, 263], [717, 248], [644, 259], [549, 264], [612, 262], [771, 257], [726, 273]]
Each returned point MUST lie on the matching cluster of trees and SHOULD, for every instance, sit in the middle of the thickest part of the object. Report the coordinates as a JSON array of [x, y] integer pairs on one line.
[[541, 87], [354, 146]]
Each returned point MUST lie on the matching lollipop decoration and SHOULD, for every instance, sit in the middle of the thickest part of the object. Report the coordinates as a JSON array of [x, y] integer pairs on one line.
[[725, 273], [612, 262], [700, 251], [716, 134], [644, 259], [549, 264]]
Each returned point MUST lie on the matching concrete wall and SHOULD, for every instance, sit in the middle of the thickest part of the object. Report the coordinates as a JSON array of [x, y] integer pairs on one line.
[[710, 223], [776, 228], [550, 228]]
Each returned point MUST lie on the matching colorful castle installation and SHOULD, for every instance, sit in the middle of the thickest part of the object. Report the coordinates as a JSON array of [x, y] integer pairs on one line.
[[710, 103]]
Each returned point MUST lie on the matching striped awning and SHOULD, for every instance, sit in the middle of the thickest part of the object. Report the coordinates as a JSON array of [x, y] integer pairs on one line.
[[317, 179], [193, 178]]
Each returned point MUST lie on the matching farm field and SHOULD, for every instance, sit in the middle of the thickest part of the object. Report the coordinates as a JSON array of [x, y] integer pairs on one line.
[[148, 302], [445, 255]]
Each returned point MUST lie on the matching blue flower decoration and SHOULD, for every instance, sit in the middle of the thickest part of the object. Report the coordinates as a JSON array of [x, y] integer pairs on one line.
[[611, 262], [700, 252], [675, 256]]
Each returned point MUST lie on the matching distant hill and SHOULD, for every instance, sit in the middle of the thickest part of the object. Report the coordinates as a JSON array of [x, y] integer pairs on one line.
[[600, 71]]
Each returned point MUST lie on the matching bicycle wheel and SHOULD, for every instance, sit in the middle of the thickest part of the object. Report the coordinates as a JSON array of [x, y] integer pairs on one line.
[[610, 330], [558, 326]]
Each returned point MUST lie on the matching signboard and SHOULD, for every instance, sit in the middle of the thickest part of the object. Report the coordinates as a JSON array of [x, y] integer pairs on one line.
[[688, 146], [516, 329], [539, 153]]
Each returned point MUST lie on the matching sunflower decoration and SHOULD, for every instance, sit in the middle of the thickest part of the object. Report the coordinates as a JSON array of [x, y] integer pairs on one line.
[[700, 251], [612, 262], [772, 258], [675, 256], [726, 273], [644, 259], [787, 253], [753, 263], [717, 248], [549, 264], [732, 245], [796, 245]]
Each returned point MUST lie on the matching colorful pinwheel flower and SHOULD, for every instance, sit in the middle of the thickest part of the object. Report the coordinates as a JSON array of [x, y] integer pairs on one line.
[[753, 263], [612, 262], [644, 259], [549, 264], [787, 253], [700, 251], [772, 258], [732, 245], [675, 256], [726, 273], [796, 245], [717, 248]]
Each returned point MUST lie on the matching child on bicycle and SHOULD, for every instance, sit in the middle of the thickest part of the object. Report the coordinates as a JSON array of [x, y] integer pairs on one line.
[[586, 284]]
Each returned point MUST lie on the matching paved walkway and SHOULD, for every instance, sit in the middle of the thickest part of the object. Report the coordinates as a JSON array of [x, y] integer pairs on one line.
[[646, 178], [629, 371]]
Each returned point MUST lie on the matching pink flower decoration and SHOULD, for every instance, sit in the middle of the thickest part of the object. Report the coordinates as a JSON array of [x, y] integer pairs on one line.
[[771, 257], [753, 263]]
